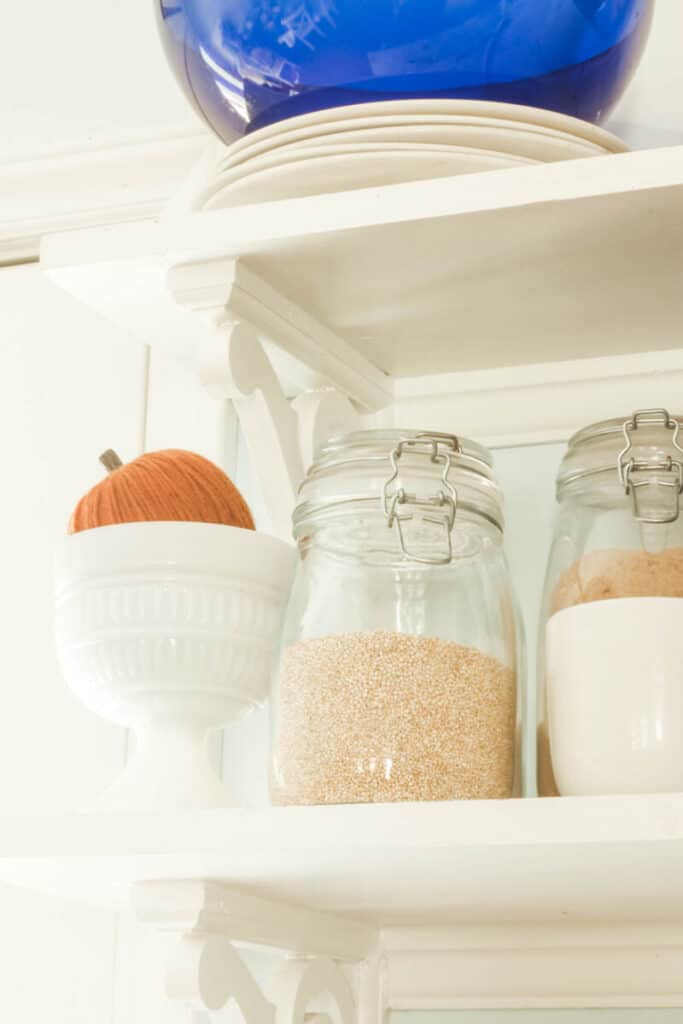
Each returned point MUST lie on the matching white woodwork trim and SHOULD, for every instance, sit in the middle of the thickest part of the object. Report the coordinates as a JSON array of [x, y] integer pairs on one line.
[[270, 426], [136, 182], [240, 230], [538, 403], [241, 917], [94, 187], [303, 983], [281, 439], [246, 296], [322, 415], [532, 967], [206, 971]]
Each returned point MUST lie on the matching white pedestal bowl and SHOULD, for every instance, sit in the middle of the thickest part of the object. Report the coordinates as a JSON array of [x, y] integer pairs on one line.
[[170, 629]]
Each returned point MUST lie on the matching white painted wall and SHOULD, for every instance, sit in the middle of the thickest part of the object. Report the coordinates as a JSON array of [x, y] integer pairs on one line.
[[651, 111], [68, 389], [83, 74]]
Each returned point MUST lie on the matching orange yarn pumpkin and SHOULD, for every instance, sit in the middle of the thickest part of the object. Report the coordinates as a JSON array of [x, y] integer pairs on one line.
[[162, 486]]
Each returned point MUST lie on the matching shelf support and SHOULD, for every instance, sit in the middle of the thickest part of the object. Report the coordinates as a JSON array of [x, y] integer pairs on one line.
[[233, 364], [317, 986], [230, 291], [206, 972]]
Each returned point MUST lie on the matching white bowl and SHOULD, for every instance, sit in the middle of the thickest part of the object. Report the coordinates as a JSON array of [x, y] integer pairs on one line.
[[170, 629]]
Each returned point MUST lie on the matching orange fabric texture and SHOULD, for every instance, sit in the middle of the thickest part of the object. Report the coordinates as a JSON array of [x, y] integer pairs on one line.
[[164, 486]]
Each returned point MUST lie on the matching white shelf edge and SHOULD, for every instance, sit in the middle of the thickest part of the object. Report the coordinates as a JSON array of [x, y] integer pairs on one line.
[[92, 188], [124, 271], [241, 230], [454, 825], [426, 891]]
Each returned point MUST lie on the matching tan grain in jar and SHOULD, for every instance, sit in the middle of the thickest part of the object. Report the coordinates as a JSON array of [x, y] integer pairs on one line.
[[381, 717]]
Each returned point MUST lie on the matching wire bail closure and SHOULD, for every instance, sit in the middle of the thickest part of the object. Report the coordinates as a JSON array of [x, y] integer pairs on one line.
[[638, 475], [438, 509]]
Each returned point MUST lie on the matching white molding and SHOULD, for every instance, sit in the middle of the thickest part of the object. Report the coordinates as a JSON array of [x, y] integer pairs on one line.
[[538, 403], [281, 439], [240, 229], [206, 971], [181, 307], [94, 187], [246, 296], [532, 967], [198, 905]]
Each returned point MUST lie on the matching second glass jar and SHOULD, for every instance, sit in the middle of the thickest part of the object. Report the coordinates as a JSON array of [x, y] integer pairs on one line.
[[398, 677], [611, 674]]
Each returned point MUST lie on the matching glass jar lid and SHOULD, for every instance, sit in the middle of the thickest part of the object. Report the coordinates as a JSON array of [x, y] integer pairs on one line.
[[402, 475], [640, 454]]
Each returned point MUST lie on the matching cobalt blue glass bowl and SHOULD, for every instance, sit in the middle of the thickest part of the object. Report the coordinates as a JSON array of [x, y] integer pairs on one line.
[[248, 63]]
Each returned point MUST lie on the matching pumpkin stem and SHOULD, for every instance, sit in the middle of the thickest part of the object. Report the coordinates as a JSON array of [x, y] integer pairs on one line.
[[110, 460]]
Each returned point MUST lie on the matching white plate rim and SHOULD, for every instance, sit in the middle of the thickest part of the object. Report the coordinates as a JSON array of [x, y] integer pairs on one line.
[[534, 116], [268, 161], [502, 129], [303, 153], [264, 172]]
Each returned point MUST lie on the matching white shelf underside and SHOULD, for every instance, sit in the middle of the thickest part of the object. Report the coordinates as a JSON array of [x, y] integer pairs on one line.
[[513, 306], [554, 262], [580, 862]]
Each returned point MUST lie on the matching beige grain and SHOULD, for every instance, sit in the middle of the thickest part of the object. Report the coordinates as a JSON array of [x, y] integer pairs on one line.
[[380, 717], [610, 573]]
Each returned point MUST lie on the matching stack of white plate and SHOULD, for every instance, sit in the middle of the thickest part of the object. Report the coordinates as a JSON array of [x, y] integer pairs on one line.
[[390, 142]]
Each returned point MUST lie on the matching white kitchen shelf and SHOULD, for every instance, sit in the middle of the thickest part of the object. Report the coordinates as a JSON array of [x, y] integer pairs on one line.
[[575, 862], [518, 290], [494, 269]]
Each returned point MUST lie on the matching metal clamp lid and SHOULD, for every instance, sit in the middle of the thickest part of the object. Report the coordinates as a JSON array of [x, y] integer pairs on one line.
[[438, 509], [639, 476]]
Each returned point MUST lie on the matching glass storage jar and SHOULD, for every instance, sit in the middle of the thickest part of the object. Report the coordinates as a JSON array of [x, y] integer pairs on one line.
[[611, 671], [398, 675]]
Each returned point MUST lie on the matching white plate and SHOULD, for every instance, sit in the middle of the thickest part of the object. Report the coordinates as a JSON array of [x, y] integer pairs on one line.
[[449, 108], [316, 174], [478, 159], [471, 160], [501, 137]]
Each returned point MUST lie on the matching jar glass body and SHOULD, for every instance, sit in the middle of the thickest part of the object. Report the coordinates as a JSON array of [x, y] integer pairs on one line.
[[610, 673], [398, 677]]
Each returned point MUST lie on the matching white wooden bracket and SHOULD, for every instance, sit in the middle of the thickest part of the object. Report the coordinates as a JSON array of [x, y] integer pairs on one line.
[[206, 971], [229, 290], [281, 437], [343, 971]]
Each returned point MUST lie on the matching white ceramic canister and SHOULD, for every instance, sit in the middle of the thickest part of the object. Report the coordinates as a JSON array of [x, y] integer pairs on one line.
[[611, 671]]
